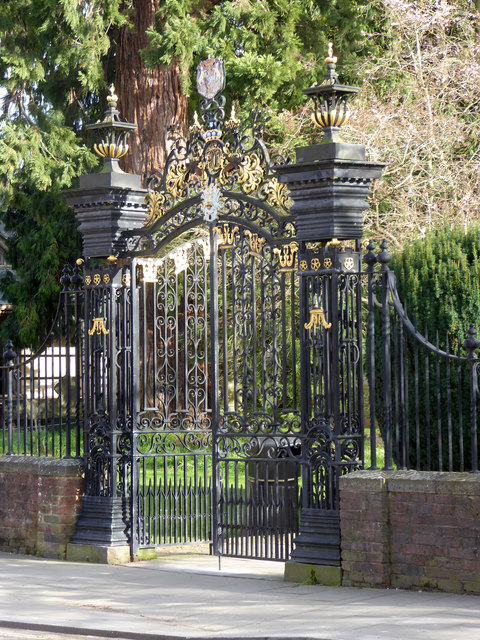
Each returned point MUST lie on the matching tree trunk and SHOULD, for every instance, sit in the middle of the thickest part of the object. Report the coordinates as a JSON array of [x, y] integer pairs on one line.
[[150, 97]]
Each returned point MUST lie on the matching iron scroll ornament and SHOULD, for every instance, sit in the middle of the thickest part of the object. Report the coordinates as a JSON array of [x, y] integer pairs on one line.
[[221, 171]]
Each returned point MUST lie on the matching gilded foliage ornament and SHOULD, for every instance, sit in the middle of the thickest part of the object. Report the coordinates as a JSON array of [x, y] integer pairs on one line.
[[220, 169]]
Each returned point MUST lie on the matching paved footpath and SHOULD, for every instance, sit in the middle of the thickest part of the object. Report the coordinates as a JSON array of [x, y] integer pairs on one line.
[[188, 597]]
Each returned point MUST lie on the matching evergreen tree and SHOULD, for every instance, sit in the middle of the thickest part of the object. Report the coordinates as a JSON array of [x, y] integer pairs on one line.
[[51, 60]]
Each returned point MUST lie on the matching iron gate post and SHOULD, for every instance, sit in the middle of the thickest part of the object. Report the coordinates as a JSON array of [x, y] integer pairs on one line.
[[329, 184], [106, 204]]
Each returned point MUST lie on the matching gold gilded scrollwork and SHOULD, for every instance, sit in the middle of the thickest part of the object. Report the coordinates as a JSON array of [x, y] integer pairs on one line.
[[214, 158], [277, 193], [286, 257], [226, 236], [155, 204], [317, 318], [256, 244], [251, 173], [98, 327], [176, 180]]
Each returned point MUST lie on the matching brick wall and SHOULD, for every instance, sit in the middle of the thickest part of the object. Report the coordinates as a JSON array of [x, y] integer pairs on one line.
[[39, 505], [411, 530]]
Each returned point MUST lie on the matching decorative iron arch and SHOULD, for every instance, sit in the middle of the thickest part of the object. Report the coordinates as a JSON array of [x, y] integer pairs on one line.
[[220, 173]]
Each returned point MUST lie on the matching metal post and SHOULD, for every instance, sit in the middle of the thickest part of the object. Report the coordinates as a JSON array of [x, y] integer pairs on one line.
[[371, 259], [216, 488], [9, 355], [384, 258], [305, 383], [471, 344]]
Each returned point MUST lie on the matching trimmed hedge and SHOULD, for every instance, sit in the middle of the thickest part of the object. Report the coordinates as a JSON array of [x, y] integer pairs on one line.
[[438, 280]]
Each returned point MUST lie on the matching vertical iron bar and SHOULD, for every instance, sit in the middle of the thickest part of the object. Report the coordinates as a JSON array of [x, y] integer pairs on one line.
[[294, 331], [439, 411], [9, 356], [68, 418], [460, 410], [387, 372], [418, 447], [358, 390], [214, 382], [403, 406], [371, 364], [134, 405], [305, 384], [449, 406], [473, 410], [427, 408]]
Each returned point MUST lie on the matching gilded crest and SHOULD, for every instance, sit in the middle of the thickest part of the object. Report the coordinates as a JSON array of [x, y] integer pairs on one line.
[[210, 77]]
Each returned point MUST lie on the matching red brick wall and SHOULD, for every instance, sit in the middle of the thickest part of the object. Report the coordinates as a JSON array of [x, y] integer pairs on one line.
[[39, 505], [411, 530]]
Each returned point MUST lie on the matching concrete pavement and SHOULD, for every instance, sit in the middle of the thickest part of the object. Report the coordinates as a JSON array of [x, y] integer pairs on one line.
[[188, 597]]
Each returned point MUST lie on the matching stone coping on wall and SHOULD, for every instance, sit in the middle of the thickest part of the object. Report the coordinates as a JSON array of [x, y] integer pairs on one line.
[[51, 467], [444, 482], [411, 530]]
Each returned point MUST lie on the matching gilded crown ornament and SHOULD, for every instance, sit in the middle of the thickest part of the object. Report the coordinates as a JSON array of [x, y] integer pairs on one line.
[[330, 97], [112, 134]]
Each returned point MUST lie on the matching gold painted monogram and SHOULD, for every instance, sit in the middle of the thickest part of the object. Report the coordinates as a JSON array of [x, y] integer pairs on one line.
[[98, 327], [226, 236], [256, 244], [317, 318], [286, 257]]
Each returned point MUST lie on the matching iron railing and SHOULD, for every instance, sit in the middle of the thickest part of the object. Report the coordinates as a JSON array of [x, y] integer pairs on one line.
[[41, 410], [422, 392]]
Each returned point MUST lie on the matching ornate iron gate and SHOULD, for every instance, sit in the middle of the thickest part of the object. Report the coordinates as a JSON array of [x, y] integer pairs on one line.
[[216, 447], [216, 425]]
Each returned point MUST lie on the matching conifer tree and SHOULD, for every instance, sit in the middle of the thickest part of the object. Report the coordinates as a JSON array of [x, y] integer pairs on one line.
[[51, 62]]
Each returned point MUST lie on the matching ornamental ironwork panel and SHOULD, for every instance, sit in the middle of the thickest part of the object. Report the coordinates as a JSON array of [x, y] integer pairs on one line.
[[332, 367], [108, 380], [216, 440], [221, 171], [172, 437], [258, 436], [216, 426]]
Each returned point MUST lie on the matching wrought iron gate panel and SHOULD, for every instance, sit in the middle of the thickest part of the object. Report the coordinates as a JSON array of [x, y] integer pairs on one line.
[[257, 441], [218, 346], [172, 433]]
